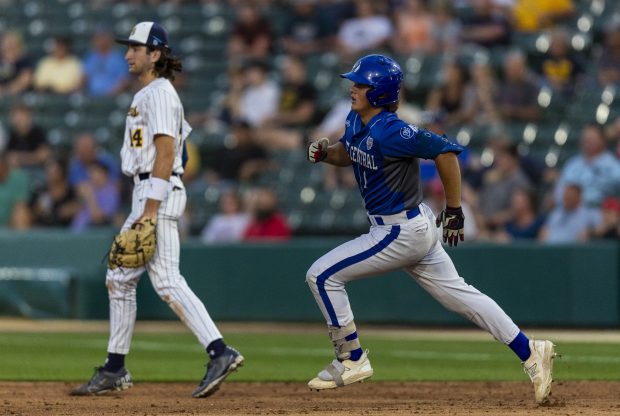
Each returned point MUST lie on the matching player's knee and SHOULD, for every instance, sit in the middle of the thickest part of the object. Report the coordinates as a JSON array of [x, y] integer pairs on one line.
[[311, 276], [119, 289]]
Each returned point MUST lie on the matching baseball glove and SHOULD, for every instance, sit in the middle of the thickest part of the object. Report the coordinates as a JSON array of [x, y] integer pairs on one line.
[[134, 247]]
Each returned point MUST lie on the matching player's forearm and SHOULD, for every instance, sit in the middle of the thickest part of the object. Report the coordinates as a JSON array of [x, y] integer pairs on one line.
[[450, 174], [162, 169], [337, 155]]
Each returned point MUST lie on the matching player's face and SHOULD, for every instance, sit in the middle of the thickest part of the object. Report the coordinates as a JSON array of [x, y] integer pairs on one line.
[[138, 59], [359, 102]]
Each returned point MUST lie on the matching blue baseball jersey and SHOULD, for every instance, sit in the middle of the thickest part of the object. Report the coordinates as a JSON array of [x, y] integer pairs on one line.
[[385, 155]]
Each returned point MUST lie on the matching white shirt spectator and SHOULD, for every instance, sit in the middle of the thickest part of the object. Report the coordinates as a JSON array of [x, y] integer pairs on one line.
[[363, 33], [259, 102], [565, 226], [225, 228]]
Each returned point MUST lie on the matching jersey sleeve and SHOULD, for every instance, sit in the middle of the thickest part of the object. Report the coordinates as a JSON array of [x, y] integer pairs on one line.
[[162, 112], [407, 140]]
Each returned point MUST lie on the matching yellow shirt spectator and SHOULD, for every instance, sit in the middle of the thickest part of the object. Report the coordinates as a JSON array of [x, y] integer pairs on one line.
[[535, 15], [59, 72]]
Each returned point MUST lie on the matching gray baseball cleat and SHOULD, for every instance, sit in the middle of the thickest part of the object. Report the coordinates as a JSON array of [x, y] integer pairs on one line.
[[104, 381], [217, 371]]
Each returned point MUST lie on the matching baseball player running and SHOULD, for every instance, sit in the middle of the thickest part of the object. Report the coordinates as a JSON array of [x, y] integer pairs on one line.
[[152, 154], [384, 152]]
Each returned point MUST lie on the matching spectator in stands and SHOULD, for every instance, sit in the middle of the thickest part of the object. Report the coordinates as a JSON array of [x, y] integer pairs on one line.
[[595, 169], [56, 204], [498, 185], [85, 152], [16, 68], [4, 137], [525, 223], [230, 223], [518, 94], [267, 223], [369, 29], [485, 90], [486, 26], [559, 67], [609, 227], [251, 37], [414, 28], [99, 199], [332, 127], [240, 161], [307, 29], [254, 96], [532, 16], [27, 146], [285, 129], [454, 96], [14, 196], [59, 72], [446, 28], [105, 69], [572, 220], [608, 63]]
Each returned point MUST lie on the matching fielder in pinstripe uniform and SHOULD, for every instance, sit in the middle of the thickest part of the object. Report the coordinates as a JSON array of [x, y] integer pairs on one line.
[[153, 154], [384, 153]]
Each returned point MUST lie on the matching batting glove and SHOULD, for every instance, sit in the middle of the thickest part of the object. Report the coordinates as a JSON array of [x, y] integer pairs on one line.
[[317, 150], [453, 222]]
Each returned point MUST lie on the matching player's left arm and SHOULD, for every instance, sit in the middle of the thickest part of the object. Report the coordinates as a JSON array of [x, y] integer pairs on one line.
[[160, 176], [404, 140], [450, 174], [451, 218]]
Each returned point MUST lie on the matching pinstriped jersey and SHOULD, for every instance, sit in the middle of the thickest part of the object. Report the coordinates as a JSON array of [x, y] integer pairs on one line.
[[155, 109], [384, 155]]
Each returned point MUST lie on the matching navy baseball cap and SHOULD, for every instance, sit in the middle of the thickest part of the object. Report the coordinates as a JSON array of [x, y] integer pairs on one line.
[[147, 34]]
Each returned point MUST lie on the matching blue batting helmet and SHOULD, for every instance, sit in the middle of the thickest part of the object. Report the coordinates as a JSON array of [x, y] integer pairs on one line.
[[383, 74]]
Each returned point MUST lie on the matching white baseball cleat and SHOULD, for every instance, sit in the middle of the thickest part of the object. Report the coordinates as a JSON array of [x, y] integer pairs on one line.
[[540, 368], [339, 374]]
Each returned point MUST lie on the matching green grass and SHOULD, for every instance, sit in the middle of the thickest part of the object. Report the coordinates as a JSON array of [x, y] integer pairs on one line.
[[289, 357]]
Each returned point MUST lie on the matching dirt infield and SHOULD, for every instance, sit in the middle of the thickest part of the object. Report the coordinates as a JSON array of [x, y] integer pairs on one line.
[[371, 398]]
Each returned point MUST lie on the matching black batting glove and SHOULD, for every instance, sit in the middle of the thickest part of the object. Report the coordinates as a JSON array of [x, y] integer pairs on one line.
[[453, 222]]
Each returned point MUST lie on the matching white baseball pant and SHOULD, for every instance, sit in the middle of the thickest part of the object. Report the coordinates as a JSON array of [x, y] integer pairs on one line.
[[412, 245], [163, 270]]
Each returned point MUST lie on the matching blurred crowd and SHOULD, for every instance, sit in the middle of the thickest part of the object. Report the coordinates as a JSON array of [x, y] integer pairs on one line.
[[270, 106]]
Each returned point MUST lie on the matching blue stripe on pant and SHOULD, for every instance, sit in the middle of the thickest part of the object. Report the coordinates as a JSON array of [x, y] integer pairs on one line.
[[349, 261]]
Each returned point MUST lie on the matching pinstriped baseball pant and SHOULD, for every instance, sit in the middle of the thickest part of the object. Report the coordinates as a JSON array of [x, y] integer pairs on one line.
[[414, 246], [163, 271]]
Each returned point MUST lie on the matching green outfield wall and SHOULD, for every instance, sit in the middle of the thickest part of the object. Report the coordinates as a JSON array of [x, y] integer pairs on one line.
[[56, 274]]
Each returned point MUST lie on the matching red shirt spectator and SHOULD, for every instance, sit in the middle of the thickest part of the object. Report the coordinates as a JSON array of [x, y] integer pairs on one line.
[[267, 222]]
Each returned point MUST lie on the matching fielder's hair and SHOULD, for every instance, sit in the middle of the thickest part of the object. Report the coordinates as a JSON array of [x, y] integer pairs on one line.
[[167, 64]]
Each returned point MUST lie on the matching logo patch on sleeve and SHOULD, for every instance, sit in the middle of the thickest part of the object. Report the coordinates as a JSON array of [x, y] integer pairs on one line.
[[406, 132]]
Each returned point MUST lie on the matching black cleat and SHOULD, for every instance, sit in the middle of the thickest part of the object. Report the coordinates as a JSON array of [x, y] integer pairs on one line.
[[104, 381], [217, 370]]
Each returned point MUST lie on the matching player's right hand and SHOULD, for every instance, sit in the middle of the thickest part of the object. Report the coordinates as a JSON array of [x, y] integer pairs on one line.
[[453, 222], [317, 150]]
